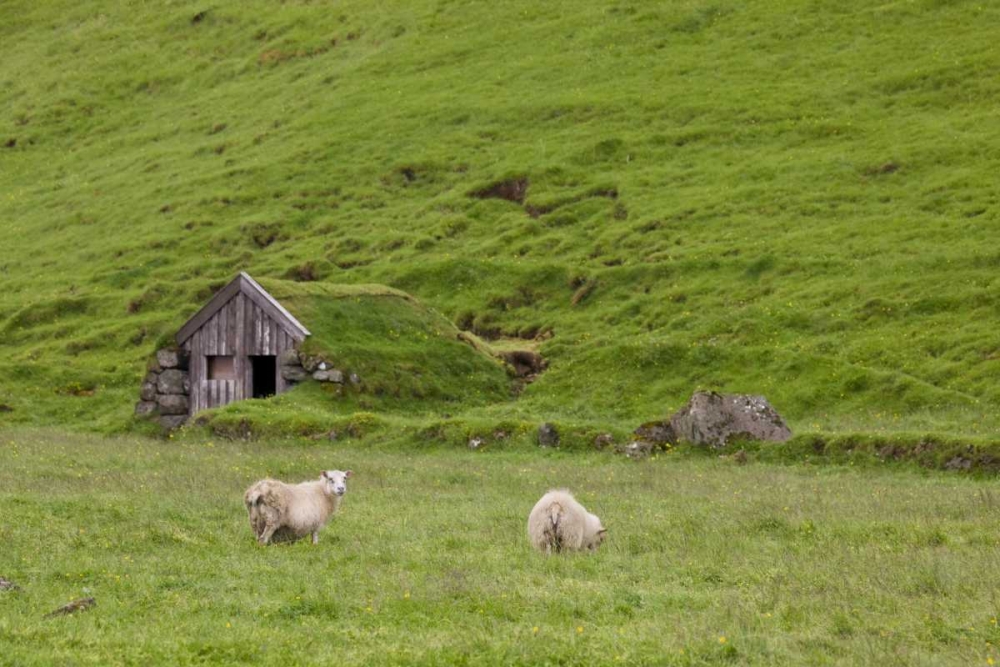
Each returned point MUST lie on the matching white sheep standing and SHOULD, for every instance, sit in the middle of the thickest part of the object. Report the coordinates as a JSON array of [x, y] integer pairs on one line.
[[558, 522], [288, 512]]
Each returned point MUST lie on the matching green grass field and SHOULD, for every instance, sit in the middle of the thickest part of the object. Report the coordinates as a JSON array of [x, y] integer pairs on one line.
[[796, 199], [707, 562]]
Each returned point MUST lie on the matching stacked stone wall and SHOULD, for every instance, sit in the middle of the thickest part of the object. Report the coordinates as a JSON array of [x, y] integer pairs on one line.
[[164, 394]]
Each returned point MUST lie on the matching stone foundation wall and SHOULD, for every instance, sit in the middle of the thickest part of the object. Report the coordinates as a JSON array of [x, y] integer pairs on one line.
[[163, 396], [297, 367]]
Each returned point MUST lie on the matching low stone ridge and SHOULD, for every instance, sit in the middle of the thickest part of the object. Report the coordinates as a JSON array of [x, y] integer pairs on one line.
[[298, 367], [713, 419]]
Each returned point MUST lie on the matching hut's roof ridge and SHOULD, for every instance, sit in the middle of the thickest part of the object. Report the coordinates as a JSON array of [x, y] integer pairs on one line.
[[246, 285]]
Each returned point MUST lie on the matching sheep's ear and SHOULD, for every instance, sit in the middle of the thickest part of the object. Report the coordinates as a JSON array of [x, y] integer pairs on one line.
[[602, 531], [323, 475], [348, 473]]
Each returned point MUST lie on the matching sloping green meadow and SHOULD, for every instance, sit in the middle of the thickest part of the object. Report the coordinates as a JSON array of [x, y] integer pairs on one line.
[[788, 198]]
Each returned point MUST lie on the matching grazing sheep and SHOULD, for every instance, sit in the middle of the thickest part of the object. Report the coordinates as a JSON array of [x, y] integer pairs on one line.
[[288, 512], [559, 523]]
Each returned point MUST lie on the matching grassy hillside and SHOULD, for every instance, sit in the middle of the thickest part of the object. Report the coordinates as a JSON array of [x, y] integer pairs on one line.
[[788, 198], [428, 562]]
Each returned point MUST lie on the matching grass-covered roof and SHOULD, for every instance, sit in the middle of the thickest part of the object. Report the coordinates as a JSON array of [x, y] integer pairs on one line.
[[398, 347]]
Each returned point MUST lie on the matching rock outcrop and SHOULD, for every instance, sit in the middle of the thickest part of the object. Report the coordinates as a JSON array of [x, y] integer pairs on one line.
[[713, 419]]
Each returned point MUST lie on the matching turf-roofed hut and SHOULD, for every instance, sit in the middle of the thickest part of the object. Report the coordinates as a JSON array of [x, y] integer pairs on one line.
[[233, 345], [374, 341]]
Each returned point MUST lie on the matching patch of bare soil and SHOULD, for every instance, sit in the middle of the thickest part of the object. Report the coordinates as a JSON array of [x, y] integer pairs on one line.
[[513, 189]]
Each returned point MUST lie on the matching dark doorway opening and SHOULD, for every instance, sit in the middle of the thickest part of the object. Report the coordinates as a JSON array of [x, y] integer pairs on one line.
[[264, 375]]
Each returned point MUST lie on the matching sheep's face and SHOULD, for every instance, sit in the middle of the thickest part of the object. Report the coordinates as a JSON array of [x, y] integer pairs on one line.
[[597, 530], [336, 481]]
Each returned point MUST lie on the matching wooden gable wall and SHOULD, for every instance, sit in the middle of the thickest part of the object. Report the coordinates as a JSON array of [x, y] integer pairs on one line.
[[239, 328]]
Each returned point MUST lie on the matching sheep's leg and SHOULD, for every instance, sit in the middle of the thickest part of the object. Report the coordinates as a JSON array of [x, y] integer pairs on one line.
[[265, 536], [315, 537]]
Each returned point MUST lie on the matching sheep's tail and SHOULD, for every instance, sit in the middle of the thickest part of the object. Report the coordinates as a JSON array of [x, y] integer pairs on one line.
[[555, 516], [253, 498]]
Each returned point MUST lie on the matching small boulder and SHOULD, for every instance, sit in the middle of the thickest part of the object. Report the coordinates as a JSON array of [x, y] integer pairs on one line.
[[603, 441], [172, 381], [310, 363], [332, 375], [637, 449], [658, 433], [958, 463], [171, 422], [167, 358], [294, 373], [145, 408], [172, 404], [548, 435], [355, 380], [289, 357], [713, 419], [8, 585], [73, 607], [476, 443], [148, 391]]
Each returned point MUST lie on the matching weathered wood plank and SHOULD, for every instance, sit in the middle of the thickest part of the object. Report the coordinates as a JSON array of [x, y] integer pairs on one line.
[[208, 338], [193, 373], [231, 328], [239, 346], [209, 309], [272, 308], [223, 327], [244, 284], [258, 347], [279, 382], [265, 333]]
